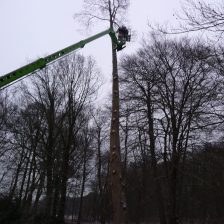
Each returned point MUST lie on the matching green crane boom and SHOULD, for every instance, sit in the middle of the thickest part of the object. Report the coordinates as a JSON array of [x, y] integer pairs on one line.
[[42, 62]]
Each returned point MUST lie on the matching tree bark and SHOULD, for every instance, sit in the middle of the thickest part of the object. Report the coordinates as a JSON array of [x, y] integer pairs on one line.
[[118, 198]]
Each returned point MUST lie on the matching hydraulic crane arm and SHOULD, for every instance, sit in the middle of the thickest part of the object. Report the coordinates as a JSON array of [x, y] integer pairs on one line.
[[42, 62]]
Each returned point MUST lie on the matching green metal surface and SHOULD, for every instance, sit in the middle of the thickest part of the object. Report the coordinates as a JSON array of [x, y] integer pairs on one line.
[[42, 62]]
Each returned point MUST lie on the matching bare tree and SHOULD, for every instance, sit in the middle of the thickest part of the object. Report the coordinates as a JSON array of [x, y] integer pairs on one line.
[[112, 12], [176, 88], [78, 84], [201, 16], [139, 83], [101, 138], [61, 93], [186, 89]]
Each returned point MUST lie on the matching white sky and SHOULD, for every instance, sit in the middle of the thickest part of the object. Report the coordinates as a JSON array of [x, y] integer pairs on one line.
[[35, 28]]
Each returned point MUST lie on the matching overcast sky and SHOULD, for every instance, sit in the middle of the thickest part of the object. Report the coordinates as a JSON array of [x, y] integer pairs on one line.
[[34, 28]]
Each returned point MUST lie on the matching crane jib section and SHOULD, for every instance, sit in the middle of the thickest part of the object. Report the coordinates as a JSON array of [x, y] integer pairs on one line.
[[43, 62]]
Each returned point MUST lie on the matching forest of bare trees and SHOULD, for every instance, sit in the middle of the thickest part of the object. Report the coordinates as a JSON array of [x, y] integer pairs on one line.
[[56, 155]]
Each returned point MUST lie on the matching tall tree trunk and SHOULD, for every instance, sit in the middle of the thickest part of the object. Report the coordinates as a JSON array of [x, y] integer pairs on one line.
[[49, 166], [125, 164], [156, 179], [50, 159], [82, 187], [118, 197], [24, 178], [173, 177], [99, 177], [56, 195], [173, 189], [39, 192], [31, 169], [32, 188], [49, 193], [64, 176], [15, 180]]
